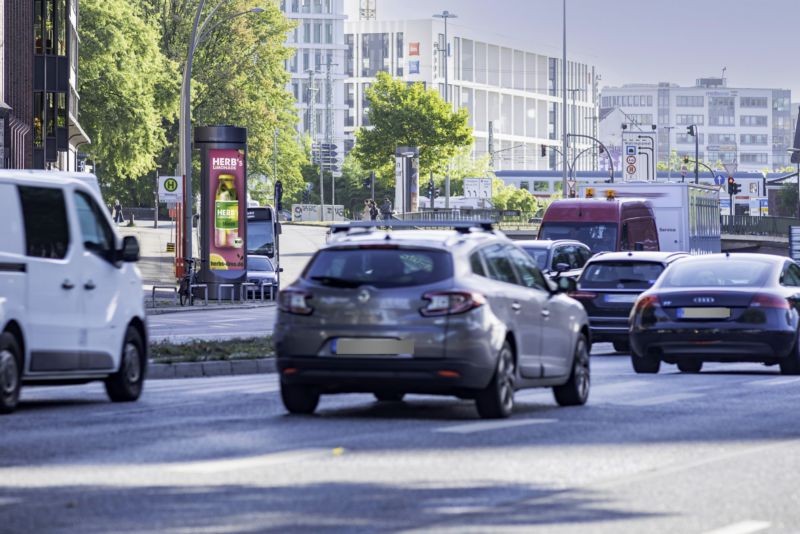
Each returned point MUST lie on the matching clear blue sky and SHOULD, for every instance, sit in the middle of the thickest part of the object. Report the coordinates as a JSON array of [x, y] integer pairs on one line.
[[643, 40]]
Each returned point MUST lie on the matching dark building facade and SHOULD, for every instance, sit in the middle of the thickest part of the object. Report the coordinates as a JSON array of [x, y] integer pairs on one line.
[[40, 74]]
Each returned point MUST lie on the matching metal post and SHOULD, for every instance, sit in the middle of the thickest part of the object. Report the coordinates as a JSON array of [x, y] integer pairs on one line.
[[491, 144], [372, 184], [275, 160], [329, 130], [697, 155], [155, 197], [565, 141], [446, 15], [798, 189]]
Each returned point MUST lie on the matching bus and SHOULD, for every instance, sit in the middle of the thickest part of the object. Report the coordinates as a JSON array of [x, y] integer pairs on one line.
[[263, 230]]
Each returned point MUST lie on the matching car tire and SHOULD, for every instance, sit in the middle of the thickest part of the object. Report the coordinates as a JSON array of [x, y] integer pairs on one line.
[[10, 372], [790, 365], [297, 399], [645, 364], [386, 396], [690, 366], [497, 400], [576, 391], [622, 345], [127, 383]]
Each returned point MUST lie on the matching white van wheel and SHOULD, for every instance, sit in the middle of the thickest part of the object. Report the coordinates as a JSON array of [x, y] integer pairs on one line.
[[10, 372], [126, 384]]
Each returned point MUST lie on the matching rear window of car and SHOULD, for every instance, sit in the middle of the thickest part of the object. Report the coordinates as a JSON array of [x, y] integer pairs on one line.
[[383, 268], [728, 273], [539, 255], [620, 274]]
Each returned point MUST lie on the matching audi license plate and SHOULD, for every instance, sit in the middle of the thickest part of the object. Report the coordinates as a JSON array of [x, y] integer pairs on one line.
[[622, 298], [362, 346], [703, 313]]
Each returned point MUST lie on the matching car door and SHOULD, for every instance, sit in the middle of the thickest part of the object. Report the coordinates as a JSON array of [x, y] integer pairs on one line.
[[532, 299], [55, 327], [99, 284]]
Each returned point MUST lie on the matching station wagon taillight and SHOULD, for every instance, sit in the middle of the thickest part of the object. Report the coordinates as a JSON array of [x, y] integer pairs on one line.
[[648, 301], [763, 300], [294, 302], [451, 302], [582, 295]]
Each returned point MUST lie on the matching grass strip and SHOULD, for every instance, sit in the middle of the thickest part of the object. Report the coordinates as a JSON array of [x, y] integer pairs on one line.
[[209, 351]]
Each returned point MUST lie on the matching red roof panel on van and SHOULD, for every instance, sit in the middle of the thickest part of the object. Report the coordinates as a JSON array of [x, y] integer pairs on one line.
[[597, 210]]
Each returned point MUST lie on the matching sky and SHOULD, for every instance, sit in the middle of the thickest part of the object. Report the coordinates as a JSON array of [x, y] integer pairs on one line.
[[641, 41]]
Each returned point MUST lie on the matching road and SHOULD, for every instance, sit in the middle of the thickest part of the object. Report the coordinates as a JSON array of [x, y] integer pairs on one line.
[[714, 452]]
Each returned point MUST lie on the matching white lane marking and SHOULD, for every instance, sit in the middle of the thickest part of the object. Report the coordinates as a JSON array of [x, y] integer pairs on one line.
[[483, 426], [6, 501], [743, 527], [663, 399], [249, 462], [775, 381]]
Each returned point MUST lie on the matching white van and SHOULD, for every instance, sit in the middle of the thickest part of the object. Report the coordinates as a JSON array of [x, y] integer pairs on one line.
[[71, 300]]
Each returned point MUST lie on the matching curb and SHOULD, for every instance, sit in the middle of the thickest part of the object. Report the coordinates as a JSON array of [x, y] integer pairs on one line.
[[158, 371], [201, 307]]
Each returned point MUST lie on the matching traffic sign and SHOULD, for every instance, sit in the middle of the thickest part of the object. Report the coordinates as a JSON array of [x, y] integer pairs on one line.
[[170, 189], [631, 150], [631, 169], [719, 179], [631, 160], [730, 168], [478, 188]]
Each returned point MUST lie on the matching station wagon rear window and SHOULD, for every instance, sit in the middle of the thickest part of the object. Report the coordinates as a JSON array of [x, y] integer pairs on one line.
[[729, 273], [383, 268], [620, 275]]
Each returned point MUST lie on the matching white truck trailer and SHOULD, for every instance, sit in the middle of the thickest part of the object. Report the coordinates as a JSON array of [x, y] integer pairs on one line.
[[687, 214]]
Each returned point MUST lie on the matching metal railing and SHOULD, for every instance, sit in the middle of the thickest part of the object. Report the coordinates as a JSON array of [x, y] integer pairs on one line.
[[754, 225]]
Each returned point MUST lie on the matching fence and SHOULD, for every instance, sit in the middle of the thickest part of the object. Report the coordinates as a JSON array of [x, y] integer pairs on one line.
[[753, 225]]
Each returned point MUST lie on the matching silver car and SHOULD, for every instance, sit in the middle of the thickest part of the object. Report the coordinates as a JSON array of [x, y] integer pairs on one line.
[[261, 272], [462, 312]]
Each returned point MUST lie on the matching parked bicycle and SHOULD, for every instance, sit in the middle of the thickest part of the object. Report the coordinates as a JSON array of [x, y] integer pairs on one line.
[[187, 281]]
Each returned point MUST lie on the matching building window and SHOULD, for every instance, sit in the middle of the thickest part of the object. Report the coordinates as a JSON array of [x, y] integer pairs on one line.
[[686, 139], [306, 32], [689, 101], [399, 46], [349, 59], [467, 54], [684, 120], [753, 102], [753, 139], [365, 104], [374, 54], [318, 32], [748, 157], [329, 32], [753, 120]]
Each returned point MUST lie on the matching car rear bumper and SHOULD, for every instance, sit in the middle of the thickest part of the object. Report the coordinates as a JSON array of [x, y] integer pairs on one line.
[[367, 374], [608, 328], [715, 345]]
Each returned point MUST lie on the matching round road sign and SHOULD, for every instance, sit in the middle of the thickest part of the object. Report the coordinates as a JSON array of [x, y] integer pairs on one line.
[[171, 185], [631, 169], [631, 160]]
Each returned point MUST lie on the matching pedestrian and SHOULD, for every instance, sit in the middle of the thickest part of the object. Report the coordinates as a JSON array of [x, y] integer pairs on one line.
[[373, 210], [386, 209], [118, 212], [365, 213]]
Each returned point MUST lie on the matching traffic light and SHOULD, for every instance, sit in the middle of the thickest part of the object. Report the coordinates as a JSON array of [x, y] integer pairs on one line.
[[368, 183], [732, 186], [544, 151], [306, 196], [691, 130], [737, 188], [278, 193]]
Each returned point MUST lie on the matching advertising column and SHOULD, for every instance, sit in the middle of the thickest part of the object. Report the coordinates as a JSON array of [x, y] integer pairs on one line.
[[223, 211]]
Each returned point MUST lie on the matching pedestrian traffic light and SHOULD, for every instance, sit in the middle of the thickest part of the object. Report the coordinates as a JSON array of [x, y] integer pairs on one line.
[[731, 185], [691, 130]]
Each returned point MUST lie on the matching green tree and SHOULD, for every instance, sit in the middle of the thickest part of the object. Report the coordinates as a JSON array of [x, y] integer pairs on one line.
[[786, 201], [409, 115], [507, 197], [127, 89]]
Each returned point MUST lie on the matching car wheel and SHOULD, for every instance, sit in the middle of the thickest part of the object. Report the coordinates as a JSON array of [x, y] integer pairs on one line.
[[385, 396], [690, 366], [497, 400], [645, 364], [10, 372], [790, 365], [576, 391], [299, 399], [622, 345], [126, 384]]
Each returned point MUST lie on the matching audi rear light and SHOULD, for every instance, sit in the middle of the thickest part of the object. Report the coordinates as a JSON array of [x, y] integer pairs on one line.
[[451, 302], [294, 302], [765, 300], [582, 295], [645, 302]]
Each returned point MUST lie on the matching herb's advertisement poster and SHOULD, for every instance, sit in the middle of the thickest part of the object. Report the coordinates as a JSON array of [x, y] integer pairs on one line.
[[228, 210]]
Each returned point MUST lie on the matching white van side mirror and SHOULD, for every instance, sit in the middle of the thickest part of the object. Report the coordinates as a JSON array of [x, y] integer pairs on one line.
[[130, 249]]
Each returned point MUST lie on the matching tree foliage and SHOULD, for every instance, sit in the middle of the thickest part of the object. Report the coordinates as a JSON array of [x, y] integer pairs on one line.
[[409, 115], [507, 197], [128, 88]]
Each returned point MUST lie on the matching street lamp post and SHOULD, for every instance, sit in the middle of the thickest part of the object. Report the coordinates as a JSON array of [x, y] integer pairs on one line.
[[669, 152], [199, 33], [564, 138], [446, 15], [796, 157]]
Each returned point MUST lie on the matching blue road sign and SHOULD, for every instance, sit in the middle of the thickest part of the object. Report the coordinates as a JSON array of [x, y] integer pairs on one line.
[[719, 179]]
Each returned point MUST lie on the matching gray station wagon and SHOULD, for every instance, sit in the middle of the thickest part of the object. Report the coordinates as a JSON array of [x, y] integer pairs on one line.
[[461, 312]]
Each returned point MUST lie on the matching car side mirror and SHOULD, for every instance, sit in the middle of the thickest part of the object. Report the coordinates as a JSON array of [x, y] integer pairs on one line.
[[280, 269], [561, 267], [566, 285], [638, 246], [130, 249]]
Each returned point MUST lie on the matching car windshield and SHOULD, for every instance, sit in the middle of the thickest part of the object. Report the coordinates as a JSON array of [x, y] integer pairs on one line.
[[599, 237], [379, 267], [260, 237], [539, 255], [620, 274], [259, 264], [730, 273]]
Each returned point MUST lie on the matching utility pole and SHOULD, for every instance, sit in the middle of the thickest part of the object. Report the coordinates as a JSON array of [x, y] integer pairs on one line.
[[574, 123], [446, 15], [275, 158], [312, 119], [564, 138], [669, 151], [329, 130], [491, 144]]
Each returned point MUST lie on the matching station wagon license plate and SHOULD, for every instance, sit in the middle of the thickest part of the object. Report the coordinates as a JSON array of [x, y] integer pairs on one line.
[[627, 299], [703, 313], [362, 346]]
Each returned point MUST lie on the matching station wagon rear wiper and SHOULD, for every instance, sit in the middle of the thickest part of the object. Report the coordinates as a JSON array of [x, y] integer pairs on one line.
[[336, 282]]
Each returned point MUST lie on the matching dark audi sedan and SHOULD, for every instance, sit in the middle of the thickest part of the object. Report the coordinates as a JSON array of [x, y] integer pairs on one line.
[[719, 308]]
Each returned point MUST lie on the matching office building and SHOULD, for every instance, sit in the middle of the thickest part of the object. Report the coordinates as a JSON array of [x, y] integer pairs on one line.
[[516, 91], [748, 126], [39, 113]]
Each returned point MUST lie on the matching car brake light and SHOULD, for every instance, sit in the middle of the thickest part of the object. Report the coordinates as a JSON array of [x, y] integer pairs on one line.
[[647, 301], [582, 295], [451, 302], [762, 300], [293, 301]]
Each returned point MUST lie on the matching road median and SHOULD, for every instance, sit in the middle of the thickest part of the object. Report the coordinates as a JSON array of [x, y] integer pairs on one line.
[[211, 358]]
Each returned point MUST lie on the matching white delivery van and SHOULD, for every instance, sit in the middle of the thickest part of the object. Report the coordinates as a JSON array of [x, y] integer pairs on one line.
[[71, 300]]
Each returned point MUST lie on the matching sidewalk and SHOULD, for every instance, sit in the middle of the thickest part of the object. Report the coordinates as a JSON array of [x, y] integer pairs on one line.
[[156, 264]]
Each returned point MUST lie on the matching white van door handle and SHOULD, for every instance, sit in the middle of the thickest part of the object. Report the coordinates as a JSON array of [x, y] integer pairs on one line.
[[545, 313], [66, 284], [516, 306], [89, 285]]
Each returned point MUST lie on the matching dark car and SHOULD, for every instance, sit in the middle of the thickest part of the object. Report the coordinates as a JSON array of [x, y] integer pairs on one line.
[[261, 271], [609, 285], [460, 313], [563, 256], [719, 308]]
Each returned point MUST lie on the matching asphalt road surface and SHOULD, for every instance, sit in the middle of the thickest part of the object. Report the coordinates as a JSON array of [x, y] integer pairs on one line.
[[715, 452]]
